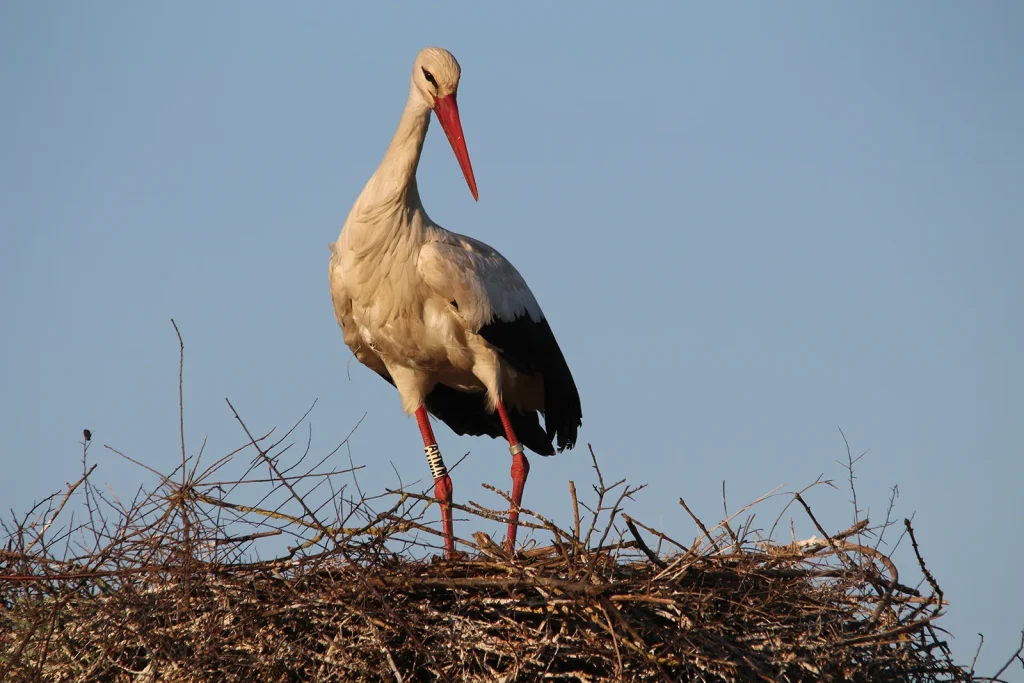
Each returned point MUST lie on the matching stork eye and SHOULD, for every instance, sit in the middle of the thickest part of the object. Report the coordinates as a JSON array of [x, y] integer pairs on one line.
[[430, 77]]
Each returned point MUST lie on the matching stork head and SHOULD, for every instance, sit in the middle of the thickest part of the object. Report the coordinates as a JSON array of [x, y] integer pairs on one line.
[[435, 76]]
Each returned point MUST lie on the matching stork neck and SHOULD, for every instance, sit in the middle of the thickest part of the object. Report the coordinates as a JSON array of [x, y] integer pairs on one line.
[[395, 178]]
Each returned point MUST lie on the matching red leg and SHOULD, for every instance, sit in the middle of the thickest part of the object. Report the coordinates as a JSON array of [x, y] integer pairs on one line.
[[442, 482], [520, 468]]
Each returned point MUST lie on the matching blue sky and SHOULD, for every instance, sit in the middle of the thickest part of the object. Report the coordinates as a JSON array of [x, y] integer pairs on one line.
[[748, 224]]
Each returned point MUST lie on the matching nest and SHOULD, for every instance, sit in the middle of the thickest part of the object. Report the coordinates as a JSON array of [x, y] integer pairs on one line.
[[170, 587]]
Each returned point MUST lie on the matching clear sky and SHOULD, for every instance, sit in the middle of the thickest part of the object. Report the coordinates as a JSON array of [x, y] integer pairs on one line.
[[749, 224]]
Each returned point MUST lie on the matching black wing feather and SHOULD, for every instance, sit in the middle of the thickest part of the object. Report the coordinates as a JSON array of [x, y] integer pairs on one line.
[[530, 347]]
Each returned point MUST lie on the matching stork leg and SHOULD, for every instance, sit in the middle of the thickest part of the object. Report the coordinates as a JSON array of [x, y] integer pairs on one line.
[[520, 468], [442, 482]]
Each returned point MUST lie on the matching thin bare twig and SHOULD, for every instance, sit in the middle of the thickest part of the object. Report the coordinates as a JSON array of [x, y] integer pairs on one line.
[[186, 568], [920, 561], [1016, 656]]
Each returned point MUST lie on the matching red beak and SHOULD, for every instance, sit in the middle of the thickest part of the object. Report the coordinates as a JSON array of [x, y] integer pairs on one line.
[[447, 111]]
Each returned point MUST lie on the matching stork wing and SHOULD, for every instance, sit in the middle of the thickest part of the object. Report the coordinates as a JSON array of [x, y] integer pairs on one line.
[[484, 285], [496, 303]]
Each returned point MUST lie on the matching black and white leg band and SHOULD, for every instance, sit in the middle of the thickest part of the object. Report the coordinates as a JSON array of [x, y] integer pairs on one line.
[[437, 468]]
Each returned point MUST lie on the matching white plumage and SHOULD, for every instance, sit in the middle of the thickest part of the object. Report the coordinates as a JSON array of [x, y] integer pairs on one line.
[[446, 318]]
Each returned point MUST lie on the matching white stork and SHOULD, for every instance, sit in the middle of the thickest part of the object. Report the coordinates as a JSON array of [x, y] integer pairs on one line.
[[445, 318]]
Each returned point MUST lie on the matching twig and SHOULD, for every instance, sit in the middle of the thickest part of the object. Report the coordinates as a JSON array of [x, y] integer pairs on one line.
[[728, 529], [643, 546], [977, 652], [575, 511], [850, 462], [186, 568], [273, 468], [1015, 657], [60, 507], [920, 561], [700, 525]]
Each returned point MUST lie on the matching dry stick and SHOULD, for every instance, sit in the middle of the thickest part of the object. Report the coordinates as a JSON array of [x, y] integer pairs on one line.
[[626, 493], [576, 542], [851, 531], [199, 459], [36, 623], [1016, 655], [332, 531], [700, 525], [638, 643], [818, 481], [273, 468], [247, 537], [558, 532], [270, 480], [807, 508], [77, 576], [477, 509], [615, 641], [891, 584], [88, 488], [49, 634], [163, 478], [547, 524], [876, 638], [707, 534], [373, 588], [600, 496], [924, 569], [391, 663], [575, 510], [382, 516], [888, 514], [225, 459], [746, 507], [894, 576], [640, 542], [850, 462], [660, 535], [63, 502], [977, 652], [608, 527], [186, 528], [309, 437], [725, 509]]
